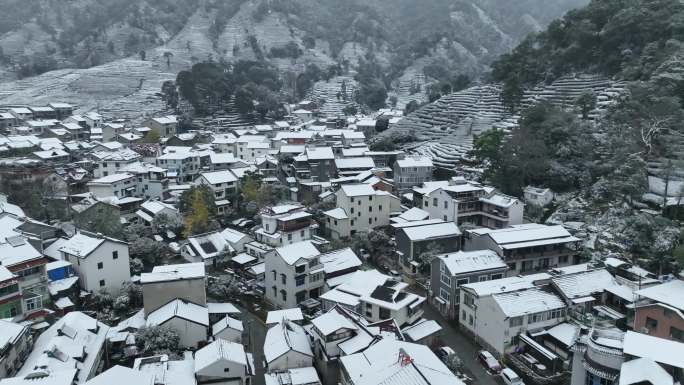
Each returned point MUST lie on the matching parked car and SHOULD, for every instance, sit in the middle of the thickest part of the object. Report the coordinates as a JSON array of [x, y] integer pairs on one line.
[[444, 352], [510, 377], [489, 362]]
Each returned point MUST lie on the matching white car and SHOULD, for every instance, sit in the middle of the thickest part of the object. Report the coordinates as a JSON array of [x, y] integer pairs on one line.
[[510, 377]]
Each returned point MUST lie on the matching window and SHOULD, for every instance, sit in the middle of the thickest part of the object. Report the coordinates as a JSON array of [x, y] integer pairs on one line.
[[352, 210], [527, 266], [300, 269], [676, 334], [352, 222], [515, 321], [370, 221], [115, 255], [483, 278], [462, 281], [497, 276], [563, 259], [283, 295], [463, 315], [100, 265], [275, 275], [102, 283], [300, 280], [289, 237], [301, 233], [651, 324], [444, 294], [434, 202], [34, 303], [379, 207], [470, 320], [468, 300], [275, 292], [512, 266], [534, 318], [370, 209], [446, 204], [445, 279], [385, 314], [283, 278]]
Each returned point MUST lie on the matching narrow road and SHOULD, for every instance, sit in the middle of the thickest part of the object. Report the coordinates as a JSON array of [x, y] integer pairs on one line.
[[464, 347], [255, 334]]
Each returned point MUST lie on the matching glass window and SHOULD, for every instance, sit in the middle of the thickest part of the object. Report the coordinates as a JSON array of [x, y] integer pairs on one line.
[[100, 265], [115, 255], [444, 294], [102, 283], [515, 321]]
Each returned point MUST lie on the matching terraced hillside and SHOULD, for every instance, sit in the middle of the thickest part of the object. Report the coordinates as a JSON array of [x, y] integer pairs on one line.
[[445, 128], [332, 93]]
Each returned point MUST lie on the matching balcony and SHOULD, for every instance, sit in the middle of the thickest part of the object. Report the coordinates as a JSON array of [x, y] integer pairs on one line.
[[294, 225]]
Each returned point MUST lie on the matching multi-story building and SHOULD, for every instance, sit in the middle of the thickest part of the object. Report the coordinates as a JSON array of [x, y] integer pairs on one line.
[[360, 208], [10, 295], [100, 262], [498, 318], [151, 180], [29, 265], [106, 163], [527, 248], [293, 274], [412, 171], [316, 164], [469, 202], [181, 165], [119, 185], [392, 301], [660, 311], [414, 241], [450, 271], [15, 346], [166, 126], [223, 184], [285, 224]]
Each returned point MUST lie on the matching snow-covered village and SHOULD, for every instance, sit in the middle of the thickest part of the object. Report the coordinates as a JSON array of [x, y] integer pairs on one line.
[[251, 192]]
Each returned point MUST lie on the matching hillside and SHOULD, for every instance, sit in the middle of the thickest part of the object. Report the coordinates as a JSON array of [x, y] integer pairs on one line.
[[128, 48]]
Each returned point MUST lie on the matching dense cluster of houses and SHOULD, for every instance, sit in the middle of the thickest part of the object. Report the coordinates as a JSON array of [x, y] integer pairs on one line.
[[338, 314]]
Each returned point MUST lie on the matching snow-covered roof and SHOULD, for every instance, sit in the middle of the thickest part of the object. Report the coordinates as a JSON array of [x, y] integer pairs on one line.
[[505, 284], [62, 377], [336, 213], [122, 375], [221, 350], [222, 308], [74, 341], [421, 329], [353, 190], [670, 293], [176, 272], [167, 372], [319, 153], [331, 322], [9, 332], [113, 178], [169, 119], [415, 161], [462, 262], [642, 371], [295, 251], [218, 177], [431, 231], [225, 323], [17, 250], [82, 244], [414, 214], [5, 275], [155, 207], [283, 337], [354, 163], [380, 364], [338, 260], [528, 301], [296, 376], [566, 333], [276, 316], [528, 236], [584, 283], [660, 350], [181, 309], [60, 285]]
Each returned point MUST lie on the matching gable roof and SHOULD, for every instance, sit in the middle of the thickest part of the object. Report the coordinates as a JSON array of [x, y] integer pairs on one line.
[[220, 350], [295, 251], [181, 309], [82, 244], [462, 262], [284, 337]]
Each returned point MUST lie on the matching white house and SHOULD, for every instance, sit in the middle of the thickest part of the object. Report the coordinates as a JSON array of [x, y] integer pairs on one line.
[[213, 247], [182, 164], [391, 301], [497, 311], [110, 162], [294, 273], [285, 224], [223, 184], [463, 201], [15, 344], [360, 208], [115, 185], [188, 319], [225, 363], [538, 196], [296, 376], [287, 346], [100, 262], [412, 171], [228, 329], [151, 210]]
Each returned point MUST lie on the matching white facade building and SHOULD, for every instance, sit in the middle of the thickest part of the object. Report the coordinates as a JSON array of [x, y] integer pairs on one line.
[[360, 208], [293, 274]]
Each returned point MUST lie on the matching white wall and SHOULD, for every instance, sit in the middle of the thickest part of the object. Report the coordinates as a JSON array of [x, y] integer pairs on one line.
[[158, 294], [114, 271], [230, 334], [290, 360], [190, 333]]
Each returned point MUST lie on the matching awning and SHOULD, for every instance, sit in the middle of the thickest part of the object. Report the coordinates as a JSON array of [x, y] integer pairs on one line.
[[438, 299], [537, 347], [583, 299], [416, 303], [608, 312]]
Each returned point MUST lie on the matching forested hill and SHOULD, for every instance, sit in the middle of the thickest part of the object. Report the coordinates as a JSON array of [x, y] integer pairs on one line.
[[449, 35], [621, 175]]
